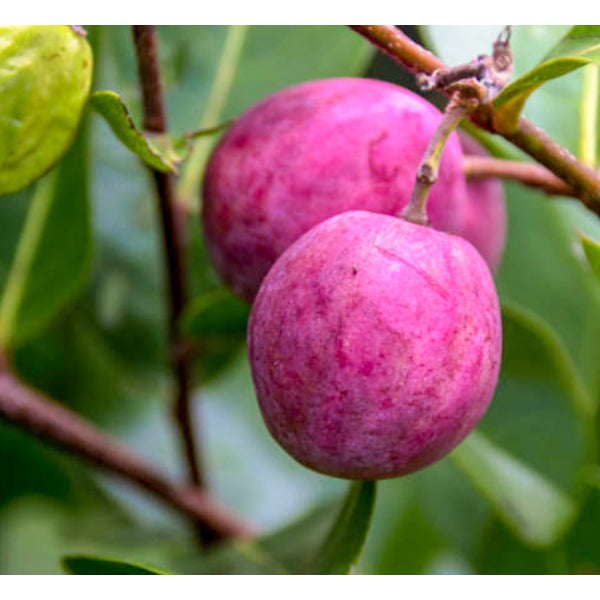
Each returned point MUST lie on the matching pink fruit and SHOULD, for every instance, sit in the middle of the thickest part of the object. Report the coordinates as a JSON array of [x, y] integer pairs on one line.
[[374, 345], [485, 220], [309, 152]]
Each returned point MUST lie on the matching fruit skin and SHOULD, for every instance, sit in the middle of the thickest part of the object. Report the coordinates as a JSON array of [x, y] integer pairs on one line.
[[309, 152], [375, 345], [485, 219], [45, 78]]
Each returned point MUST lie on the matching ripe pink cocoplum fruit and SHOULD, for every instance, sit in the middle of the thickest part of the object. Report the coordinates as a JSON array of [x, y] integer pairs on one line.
[[312, 151], [375, 345], [485, 218]]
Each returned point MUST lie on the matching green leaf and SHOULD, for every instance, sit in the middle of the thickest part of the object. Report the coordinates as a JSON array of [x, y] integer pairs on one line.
[[563, 292], [216, 321], [581, 40], [592, 252], [53, 255], [216, 314], [347, 536], [540, 402], [538, 512], [579, 47], [403, 540], [503, 553], [327, 540], [112, 108], [162, 152], [583, 550], [92, 565], [532, 349]]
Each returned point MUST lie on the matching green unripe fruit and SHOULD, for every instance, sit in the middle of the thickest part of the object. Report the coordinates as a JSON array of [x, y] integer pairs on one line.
[[45, 79]]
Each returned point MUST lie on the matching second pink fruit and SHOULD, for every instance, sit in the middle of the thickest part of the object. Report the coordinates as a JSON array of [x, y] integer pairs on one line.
[[485, 216], [312, 151]]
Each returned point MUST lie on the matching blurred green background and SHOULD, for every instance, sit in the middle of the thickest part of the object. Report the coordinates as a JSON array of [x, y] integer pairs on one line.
[[522, 499]]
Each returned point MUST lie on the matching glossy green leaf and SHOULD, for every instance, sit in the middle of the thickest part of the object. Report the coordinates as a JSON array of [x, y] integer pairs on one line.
[[579, 47], [580, 40], [92, 565], [53, 255], [509, 103], [528, 503], [592, 252], [347, 536]]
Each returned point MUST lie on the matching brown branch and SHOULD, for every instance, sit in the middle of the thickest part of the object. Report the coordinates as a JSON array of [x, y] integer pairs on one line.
[[155, 120], [34, 412], [531, 174], [400, 47], [526, 136]]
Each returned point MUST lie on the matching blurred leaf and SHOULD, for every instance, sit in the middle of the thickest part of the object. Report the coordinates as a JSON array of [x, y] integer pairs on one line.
[[540, 402], [112, 108], [35, 533], [537, 511], [347, 536], [402, 539], [592, 252], [217, 313], [216, 322], [321, 541], [303, 53], [532, 346], [502, 553], [92, 565], [47, 470], [583, 550], [457, 511], [53, 256]]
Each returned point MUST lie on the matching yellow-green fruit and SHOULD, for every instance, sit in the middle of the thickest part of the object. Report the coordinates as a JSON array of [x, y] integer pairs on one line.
[[45, 78]]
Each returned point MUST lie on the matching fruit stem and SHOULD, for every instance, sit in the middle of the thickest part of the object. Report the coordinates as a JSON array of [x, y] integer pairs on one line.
[[427, 173]]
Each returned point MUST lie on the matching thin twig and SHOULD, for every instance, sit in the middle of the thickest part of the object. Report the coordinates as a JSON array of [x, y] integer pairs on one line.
[[34, 412], [155, 120], [526, 136], [534, 175]]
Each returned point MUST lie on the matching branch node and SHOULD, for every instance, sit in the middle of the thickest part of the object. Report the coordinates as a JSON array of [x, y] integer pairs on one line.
[[492, 71]]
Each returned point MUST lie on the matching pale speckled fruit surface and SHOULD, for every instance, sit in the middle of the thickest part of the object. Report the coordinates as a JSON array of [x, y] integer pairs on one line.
[[375, 345], [485, 218], [45, 79], [314, 150]]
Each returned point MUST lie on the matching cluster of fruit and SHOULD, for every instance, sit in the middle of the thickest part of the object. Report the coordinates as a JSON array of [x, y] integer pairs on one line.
[[374, 343]]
